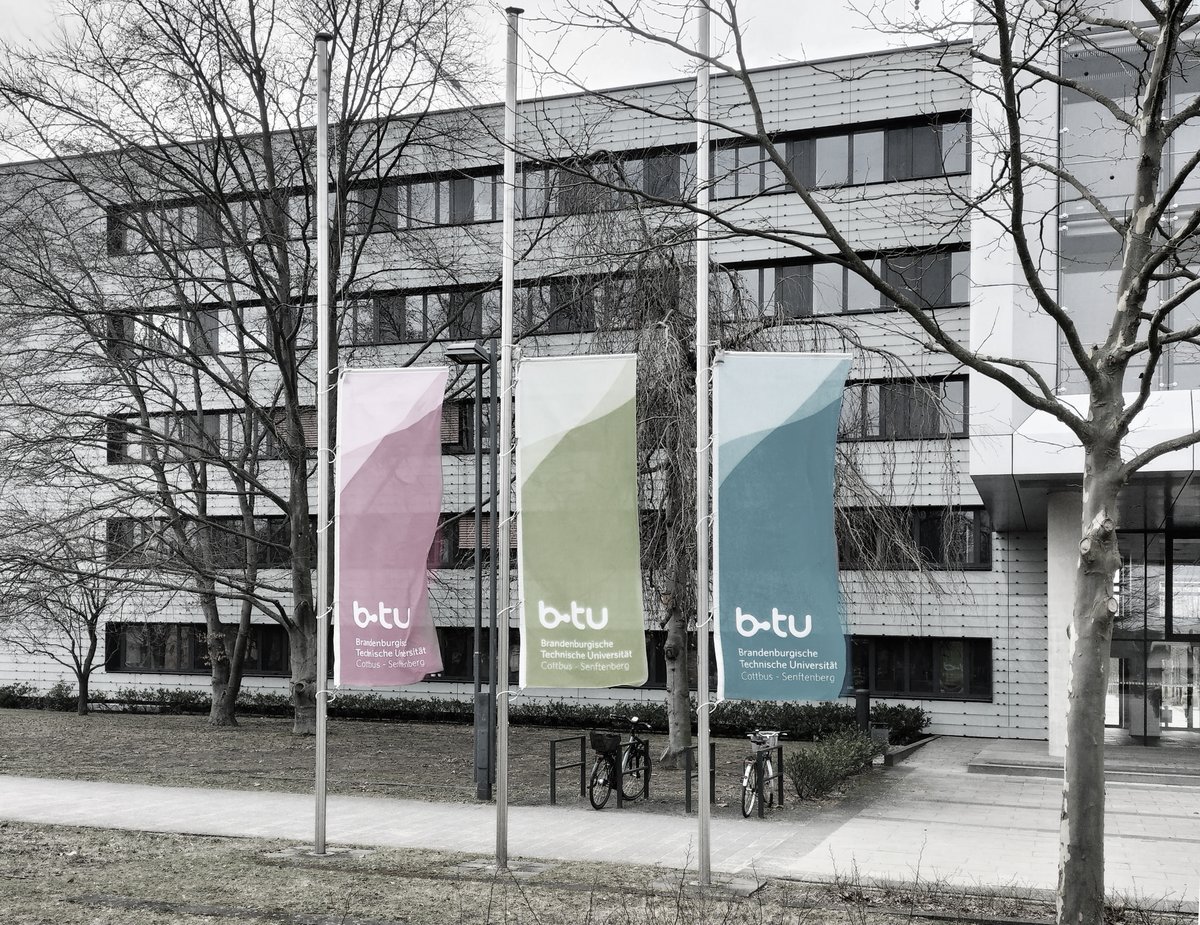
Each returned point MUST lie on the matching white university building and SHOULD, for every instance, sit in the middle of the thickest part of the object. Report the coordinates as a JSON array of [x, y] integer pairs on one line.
[[968, 618]]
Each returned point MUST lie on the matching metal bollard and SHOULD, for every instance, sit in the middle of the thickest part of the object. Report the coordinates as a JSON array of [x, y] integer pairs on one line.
[[862, 708]]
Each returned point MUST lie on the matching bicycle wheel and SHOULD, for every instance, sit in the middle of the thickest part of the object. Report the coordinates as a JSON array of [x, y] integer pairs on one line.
[[600, 786], [749, 787], [635, 765], [769, 784]]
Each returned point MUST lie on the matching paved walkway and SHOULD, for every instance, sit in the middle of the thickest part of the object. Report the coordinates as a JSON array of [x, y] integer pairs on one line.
[[927, 818]]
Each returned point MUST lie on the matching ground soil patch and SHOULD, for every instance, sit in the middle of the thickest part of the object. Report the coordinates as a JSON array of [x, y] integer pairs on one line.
[[71, 876], [413, 760]]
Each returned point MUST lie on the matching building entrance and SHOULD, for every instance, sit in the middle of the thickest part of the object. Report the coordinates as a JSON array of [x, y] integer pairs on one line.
[[1154, 672]]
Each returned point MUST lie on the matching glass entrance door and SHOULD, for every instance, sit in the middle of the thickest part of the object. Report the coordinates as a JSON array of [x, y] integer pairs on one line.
[[1154, 668]]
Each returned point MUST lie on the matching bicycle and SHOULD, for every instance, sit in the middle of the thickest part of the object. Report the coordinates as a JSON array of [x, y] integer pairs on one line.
[[625, 765], [759, 770]]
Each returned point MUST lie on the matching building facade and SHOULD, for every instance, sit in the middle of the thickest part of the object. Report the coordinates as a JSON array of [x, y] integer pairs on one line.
[[956, 504]]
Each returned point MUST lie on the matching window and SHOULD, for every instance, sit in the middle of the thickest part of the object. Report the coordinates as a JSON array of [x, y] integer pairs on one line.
[[133, 543], [924, 667], [904, 409], [890, 538], [122, 443], [586, 186], [926, 278], [920, 151], [373, 209], [454, 542], [118, 233], [867, 157], [536, 191], [443, 551], [182, 648], [458, 422], [737, 171]]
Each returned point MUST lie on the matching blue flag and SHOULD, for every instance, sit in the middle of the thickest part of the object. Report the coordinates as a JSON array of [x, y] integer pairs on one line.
[[779, 629]]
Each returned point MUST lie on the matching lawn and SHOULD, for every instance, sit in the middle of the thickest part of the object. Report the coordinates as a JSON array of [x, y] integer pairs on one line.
[[415, 760]]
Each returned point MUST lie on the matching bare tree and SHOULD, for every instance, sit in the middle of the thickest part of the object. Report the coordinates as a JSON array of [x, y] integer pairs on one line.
[[168, 236], [1011, 67], [644, 303], [56, 589]]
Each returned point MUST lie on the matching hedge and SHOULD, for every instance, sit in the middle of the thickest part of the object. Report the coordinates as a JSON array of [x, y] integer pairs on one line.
[[801, 721]]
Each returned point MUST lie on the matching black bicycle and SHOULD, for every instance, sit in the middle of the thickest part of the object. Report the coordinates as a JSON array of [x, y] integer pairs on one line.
[[623, 765], [758, 771]]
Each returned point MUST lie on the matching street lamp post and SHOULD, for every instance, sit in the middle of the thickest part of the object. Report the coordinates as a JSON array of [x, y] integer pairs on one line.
[[479, 355]]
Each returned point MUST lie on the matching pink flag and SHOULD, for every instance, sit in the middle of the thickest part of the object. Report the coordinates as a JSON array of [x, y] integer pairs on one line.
[[389, 496]]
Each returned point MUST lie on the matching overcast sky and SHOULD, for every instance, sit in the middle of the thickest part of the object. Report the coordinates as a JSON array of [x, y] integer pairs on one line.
[[775, 30]]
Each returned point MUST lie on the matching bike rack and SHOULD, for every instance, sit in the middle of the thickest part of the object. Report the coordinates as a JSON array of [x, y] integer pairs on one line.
[[555, 767], [690, 773], [760, 757]]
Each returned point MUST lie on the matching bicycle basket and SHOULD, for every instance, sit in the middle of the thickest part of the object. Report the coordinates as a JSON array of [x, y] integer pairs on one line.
[[765, 741], [605, 741]]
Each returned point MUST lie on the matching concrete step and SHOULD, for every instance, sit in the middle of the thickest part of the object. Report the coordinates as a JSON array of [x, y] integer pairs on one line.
[[1162, 776]]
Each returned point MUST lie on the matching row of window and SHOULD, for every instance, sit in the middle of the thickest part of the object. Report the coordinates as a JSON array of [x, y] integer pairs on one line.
[[199, 435], [203, 330], [937, 537], [148, 542], [182, 648], [780, 291], [576, 304], [920, 667], [799, 289], [908, 152], [900, 538], [222, 435], [592, 184]]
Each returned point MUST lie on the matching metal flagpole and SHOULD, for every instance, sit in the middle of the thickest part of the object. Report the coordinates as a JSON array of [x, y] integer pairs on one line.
[[506, 436], [322, 332], [703, 466]]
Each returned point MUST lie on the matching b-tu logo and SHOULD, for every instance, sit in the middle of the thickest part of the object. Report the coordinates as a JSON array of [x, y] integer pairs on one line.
[[580, 617], [749, 625], [387, 617]]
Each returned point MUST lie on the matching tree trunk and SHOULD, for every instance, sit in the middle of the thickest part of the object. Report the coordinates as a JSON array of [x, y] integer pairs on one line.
[[679, 708], [1081, 835], [303, 642], [81, 702], [221, 710]]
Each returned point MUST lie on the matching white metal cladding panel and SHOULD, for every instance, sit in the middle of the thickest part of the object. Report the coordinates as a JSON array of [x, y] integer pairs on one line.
[[1005, 604], [920, 472], [37, 671], [875, 217], [887, 85]]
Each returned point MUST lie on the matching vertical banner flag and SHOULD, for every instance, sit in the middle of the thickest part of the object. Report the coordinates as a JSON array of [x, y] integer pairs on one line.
[[389, 498], [580, 566], [775, 579]]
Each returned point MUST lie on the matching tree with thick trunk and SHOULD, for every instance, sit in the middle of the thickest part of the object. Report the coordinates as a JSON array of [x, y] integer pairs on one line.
[[177, 255], [1014, 61]]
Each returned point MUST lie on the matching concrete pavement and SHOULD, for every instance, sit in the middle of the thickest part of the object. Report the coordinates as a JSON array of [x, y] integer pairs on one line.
[[928, 818]]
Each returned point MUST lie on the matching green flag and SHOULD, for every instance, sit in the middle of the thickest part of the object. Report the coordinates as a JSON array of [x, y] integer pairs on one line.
[[582, 623]]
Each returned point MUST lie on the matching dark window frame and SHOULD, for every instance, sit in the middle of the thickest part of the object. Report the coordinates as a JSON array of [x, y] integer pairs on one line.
[[977, 669], [923, 524], [265, 639], [875, 393]]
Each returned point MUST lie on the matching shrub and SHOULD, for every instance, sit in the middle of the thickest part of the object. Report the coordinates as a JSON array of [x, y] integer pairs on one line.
[[814, 771], [17, 696], [906, 723], [60, 697]]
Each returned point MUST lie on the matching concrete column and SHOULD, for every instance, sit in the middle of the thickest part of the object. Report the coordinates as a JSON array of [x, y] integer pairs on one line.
[[1064, 516]]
